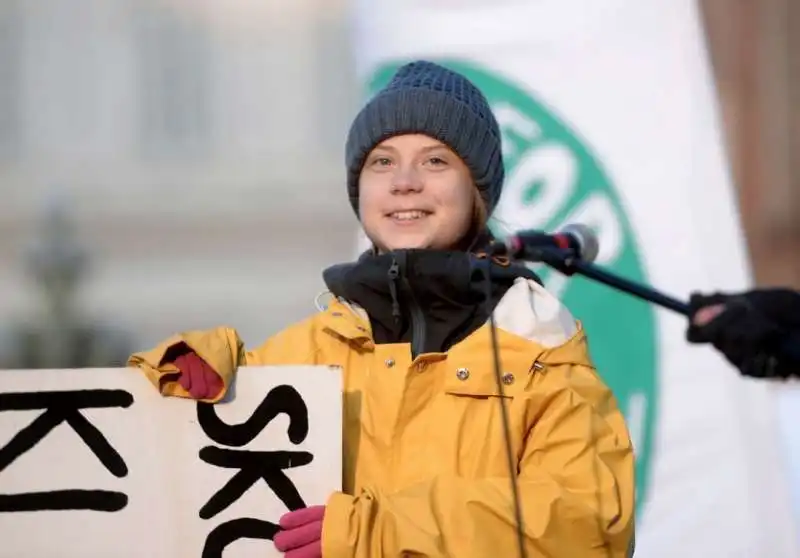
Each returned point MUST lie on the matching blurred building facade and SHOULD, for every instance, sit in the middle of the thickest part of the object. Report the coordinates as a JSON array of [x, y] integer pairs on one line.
[[200, 143]]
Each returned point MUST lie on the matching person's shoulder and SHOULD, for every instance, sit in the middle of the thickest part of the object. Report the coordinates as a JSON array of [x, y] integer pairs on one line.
[[302, 328], [328, 316]]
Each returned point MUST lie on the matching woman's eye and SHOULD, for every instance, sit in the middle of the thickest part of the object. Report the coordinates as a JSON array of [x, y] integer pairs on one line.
[[437, 161], [382, 161]]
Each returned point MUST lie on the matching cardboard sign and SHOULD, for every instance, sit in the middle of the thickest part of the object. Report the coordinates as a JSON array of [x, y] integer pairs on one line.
[[96, 463]]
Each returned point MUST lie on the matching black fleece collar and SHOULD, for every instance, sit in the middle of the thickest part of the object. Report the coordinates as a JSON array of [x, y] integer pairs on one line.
[[429, 298]]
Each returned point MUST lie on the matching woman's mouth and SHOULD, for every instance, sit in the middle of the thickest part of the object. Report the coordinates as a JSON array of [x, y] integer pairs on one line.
[[408, 215]]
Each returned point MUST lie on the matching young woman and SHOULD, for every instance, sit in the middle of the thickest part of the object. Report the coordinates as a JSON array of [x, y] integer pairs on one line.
[[425, 463]]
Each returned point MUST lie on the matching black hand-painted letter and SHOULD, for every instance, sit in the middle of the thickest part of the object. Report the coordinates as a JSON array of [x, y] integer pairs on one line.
[[281, 399], [231, 531], [252, 465], [64, 406]]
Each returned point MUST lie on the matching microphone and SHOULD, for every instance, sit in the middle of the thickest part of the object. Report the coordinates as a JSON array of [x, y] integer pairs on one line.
[[577, 240]]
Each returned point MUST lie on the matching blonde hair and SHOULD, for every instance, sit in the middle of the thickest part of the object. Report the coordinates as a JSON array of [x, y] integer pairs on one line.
[[479, 225], [480, 215], [480, 229]]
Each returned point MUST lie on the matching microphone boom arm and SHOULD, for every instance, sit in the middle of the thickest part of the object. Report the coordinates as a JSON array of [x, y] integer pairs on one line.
[[566, 263], [569, 264]]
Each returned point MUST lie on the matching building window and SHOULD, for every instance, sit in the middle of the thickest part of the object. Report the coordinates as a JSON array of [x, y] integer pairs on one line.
[[174, 82]]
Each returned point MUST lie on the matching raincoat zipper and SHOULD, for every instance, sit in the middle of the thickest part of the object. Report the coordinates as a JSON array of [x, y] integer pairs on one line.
[[397, 273]]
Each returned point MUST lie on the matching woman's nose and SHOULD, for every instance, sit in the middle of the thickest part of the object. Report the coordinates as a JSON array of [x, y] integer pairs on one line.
[[406, 180]]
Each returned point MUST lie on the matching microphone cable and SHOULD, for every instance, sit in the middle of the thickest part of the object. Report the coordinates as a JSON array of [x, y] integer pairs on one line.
[[511, 461]]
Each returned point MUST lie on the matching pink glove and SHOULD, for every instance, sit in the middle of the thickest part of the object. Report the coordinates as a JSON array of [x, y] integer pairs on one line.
[[197, 377], [301, 533]]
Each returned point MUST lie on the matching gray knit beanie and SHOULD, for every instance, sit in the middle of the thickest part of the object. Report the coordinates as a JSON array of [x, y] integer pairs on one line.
[[425, 98]]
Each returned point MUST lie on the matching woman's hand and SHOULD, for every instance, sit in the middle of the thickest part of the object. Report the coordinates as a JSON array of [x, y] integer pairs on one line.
[[747, 328], [301, 533], [197, 377]]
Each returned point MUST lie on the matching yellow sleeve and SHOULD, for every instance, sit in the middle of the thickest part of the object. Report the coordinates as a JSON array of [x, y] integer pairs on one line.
[[576, 486], [224, 351], [220, 347]]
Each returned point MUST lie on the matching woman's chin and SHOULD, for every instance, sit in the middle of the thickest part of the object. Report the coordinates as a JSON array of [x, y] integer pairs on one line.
[[408, 242]]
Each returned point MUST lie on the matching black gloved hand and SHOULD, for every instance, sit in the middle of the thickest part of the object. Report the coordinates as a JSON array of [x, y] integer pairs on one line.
[[749, 328]]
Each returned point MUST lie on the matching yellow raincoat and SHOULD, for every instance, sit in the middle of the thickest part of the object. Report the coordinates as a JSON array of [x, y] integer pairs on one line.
[[425, 469]]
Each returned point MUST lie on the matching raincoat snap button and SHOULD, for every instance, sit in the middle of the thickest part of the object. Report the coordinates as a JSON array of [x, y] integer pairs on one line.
[[389, 362], [538, 366], [508, 379], [462, 373]]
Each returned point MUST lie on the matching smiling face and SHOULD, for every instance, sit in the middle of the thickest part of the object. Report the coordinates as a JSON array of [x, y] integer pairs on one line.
[[414, 192]]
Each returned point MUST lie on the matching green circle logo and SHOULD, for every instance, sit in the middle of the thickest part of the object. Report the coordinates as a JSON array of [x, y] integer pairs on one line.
[[553, 178]]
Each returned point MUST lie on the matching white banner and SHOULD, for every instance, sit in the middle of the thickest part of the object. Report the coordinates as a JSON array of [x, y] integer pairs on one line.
[[95, 463], [609, 118]]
